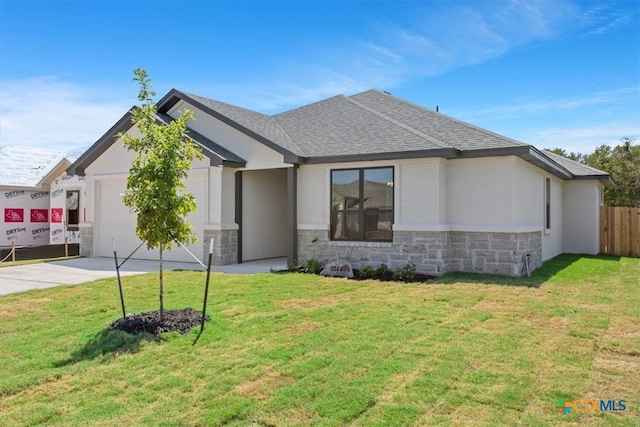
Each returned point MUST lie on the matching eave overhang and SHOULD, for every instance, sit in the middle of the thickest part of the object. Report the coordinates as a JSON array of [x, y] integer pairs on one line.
[[525, 152]]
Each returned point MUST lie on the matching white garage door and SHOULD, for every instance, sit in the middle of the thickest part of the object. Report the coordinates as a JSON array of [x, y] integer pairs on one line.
[[115, 220]]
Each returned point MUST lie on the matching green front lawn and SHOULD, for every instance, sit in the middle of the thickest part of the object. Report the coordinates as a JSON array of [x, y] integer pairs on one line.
[[296, 349]]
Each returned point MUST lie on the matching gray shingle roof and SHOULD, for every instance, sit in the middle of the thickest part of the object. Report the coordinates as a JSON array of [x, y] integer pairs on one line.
[[376, 123], [371, 125], [366, 123], [449, 131], [338, 126], [576, 168]]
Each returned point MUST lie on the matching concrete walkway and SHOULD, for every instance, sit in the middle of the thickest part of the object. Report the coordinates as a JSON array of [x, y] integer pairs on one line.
[[81, 270]]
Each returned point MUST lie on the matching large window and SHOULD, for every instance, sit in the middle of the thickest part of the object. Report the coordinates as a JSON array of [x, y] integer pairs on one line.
[[362, 204]]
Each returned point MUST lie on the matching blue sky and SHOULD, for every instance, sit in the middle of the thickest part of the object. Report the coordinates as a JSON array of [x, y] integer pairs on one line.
[[556, 73]]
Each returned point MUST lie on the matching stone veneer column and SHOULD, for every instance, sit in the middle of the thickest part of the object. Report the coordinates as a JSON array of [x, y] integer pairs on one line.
[[225, 246], [86, 240]]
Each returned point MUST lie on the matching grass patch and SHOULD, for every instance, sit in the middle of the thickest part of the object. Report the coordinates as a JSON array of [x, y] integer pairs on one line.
[[296, 349]]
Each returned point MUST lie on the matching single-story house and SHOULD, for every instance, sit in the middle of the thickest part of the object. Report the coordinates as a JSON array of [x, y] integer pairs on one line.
[[370, 178], [38, 200]]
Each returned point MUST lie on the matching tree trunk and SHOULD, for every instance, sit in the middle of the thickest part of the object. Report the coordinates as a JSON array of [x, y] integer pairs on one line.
[[161, 289]]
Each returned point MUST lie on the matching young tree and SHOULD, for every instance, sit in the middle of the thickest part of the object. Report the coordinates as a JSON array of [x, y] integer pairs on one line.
[[164, 155]]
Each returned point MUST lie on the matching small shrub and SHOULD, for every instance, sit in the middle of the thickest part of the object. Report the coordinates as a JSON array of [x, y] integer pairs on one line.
[[293, 268], [405, 274], [367, 272], [383, 272], [313, 266]]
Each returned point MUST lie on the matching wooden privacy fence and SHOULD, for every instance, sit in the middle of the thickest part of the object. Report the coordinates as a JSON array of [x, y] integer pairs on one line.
[[620, 231]]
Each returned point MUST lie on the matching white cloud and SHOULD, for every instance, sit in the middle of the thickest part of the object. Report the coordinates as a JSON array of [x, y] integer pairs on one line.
[[433, 40], [583, 139], [440, 38], [51, 113], [579, 124], [604, 17], [605, 99]]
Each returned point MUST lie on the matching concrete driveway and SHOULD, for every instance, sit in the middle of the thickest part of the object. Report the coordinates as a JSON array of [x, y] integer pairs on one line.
[[81, 270]]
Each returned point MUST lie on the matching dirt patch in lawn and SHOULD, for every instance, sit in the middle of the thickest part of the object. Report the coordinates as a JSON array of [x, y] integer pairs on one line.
[[263, 386], [181, 321], [304, 327], [310, 304]]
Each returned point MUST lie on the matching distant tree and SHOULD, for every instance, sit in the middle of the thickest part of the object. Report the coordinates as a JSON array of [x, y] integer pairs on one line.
[[164, 156], [623, 163]]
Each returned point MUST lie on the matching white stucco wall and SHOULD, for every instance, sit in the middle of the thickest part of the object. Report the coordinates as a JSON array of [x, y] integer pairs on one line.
[[581, 216], [421, 195], [313, 197], [480, 194], [264, 217], [228, 198], [257, 155], [503, 194], [528, 200]]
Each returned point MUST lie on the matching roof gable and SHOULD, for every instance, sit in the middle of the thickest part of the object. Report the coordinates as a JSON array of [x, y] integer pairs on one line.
[[217, 154]]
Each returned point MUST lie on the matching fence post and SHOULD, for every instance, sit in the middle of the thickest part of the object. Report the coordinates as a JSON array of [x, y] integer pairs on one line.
[[13, 251], [66, 247]]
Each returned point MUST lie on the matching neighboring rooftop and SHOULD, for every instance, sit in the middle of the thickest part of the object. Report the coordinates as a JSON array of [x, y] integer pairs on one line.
[[26, 166]]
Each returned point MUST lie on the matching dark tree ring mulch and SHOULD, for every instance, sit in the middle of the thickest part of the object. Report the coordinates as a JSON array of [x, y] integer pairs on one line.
[[181, 321]]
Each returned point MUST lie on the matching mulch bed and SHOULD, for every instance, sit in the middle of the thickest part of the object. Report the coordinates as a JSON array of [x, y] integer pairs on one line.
[[181, 321], [417, 278]]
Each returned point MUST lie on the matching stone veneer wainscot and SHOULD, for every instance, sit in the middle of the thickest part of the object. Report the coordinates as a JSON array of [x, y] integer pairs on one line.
[[432, 252]]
